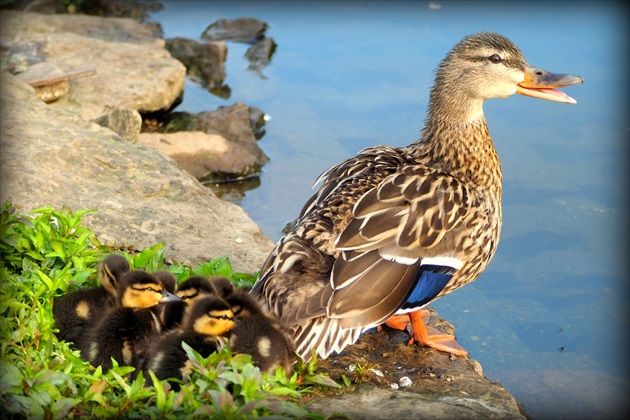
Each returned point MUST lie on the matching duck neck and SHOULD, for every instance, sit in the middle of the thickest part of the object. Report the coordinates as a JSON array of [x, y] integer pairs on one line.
[[461, 147]]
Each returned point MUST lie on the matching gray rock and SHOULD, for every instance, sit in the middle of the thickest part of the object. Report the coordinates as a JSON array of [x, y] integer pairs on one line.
[[124, 122], [370, 402], [52, 157], [247, 30], [201, 154], [204, 61], [259, 54], [235, 122], [133, 70]]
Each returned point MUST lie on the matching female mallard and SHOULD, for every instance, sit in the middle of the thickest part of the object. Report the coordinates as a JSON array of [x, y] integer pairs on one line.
[[392, 229]]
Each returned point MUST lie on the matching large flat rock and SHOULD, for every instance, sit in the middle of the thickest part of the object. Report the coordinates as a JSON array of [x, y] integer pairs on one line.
[[52, 157]]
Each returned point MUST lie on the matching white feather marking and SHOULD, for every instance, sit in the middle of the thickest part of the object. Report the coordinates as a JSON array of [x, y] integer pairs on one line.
[[453, 262], [288, 262], [400, 259]]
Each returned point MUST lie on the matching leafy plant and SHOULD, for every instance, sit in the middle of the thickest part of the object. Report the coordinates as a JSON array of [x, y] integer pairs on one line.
[[47, 253]]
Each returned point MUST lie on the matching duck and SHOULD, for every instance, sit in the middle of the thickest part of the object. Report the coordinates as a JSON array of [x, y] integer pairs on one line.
[[208, 321], [193, 288], [392, 229], [77, 310], [224, 286], [259, 335], [124, 332], [168, 280]]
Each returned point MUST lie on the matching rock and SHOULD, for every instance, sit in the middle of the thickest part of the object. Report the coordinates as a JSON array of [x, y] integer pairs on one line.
[[133, 70], [108, 29], [124, 122], [205, 62], [259, 54], [247, 30], [201, 154], [52, 157], [235, 123], [409, 381], [49, 93]]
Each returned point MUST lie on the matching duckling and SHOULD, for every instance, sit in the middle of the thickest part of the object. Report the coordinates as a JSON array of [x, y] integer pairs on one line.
[[168, 280], [125, 331], [259, 335], [393, 229], [189, 291], [208, 320], [76, 311], [224, 286]]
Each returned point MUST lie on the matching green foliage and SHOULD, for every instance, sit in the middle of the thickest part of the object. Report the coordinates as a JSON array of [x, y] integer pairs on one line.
[[47, 253]]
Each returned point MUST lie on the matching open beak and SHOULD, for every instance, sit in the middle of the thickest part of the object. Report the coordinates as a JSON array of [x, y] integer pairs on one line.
[[540, 84]]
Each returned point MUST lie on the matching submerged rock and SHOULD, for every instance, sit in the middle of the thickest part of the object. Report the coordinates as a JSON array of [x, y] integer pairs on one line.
[[246, 30], [204, 61]]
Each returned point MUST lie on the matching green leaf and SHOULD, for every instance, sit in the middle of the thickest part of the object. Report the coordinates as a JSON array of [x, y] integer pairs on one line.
[[150, 259]]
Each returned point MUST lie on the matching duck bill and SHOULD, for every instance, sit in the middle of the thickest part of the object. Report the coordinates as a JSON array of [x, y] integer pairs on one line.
[[540, 84], [169, 297]]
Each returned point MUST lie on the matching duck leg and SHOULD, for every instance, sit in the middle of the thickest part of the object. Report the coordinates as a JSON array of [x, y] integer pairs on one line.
[[416, 323]]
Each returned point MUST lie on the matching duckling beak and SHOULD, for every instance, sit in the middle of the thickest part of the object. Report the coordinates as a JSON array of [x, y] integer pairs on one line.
[[540, 83], [169, 297]]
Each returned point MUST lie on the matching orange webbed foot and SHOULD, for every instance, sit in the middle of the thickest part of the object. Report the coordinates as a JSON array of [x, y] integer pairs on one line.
[[416, 323]]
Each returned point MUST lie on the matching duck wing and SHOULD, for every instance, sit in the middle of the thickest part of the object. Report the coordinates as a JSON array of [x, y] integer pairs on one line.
[[401, 242]]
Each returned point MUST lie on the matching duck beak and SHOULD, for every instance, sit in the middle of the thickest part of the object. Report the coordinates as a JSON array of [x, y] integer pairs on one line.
[[169, 297], [540, 83]]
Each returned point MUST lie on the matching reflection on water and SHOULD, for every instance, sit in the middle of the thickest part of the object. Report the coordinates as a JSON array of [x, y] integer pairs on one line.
[[233, 191], [549, 317]]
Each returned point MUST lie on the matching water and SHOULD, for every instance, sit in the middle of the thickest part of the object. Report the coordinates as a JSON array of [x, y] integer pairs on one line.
[[549, 317]]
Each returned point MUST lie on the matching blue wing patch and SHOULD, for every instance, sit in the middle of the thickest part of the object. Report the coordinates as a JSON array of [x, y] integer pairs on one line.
[[432, 280]]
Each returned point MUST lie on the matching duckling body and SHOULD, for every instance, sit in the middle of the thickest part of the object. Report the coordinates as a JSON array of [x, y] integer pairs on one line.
[[259, 335], [392, 229], [208, 320], [76, 311], [124, 332]]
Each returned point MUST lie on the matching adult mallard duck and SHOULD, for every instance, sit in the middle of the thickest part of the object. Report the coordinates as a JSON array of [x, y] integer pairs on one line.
[[392, 229]]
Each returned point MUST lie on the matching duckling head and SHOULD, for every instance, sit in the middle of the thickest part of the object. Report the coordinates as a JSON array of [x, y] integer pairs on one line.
[[167, 279], [110, 270], [210, 316], [139, 289], [224, 286], [194, 288], [244, 305]]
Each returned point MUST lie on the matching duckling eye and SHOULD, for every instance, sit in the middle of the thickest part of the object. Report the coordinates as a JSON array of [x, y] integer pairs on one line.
[[495, 58]]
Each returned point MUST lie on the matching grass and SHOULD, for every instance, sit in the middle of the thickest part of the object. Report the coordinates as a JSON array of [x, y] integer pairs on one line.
[[48, 253]]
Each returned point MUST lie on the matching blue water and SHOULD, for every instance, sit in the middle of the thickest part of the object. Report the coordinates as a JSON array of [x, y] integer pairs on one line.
[[549, 317]]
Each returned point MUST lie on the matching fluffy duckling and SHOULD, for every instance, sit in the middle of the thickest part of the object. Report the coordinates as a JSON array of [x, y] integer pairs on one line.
[[224, 286], [208, 320], [189, 291], [125, 331], [167, 279], [259, 335], [77, 310]]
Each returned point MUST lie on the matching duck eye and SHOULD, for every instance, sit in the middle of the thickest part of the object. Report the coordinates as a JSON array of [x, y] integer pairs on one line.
[[495, 58]]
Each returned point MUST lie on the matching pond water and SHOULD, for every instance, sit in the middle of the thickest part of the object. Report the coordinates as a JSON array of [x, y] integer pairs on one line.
[[549, 317]]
